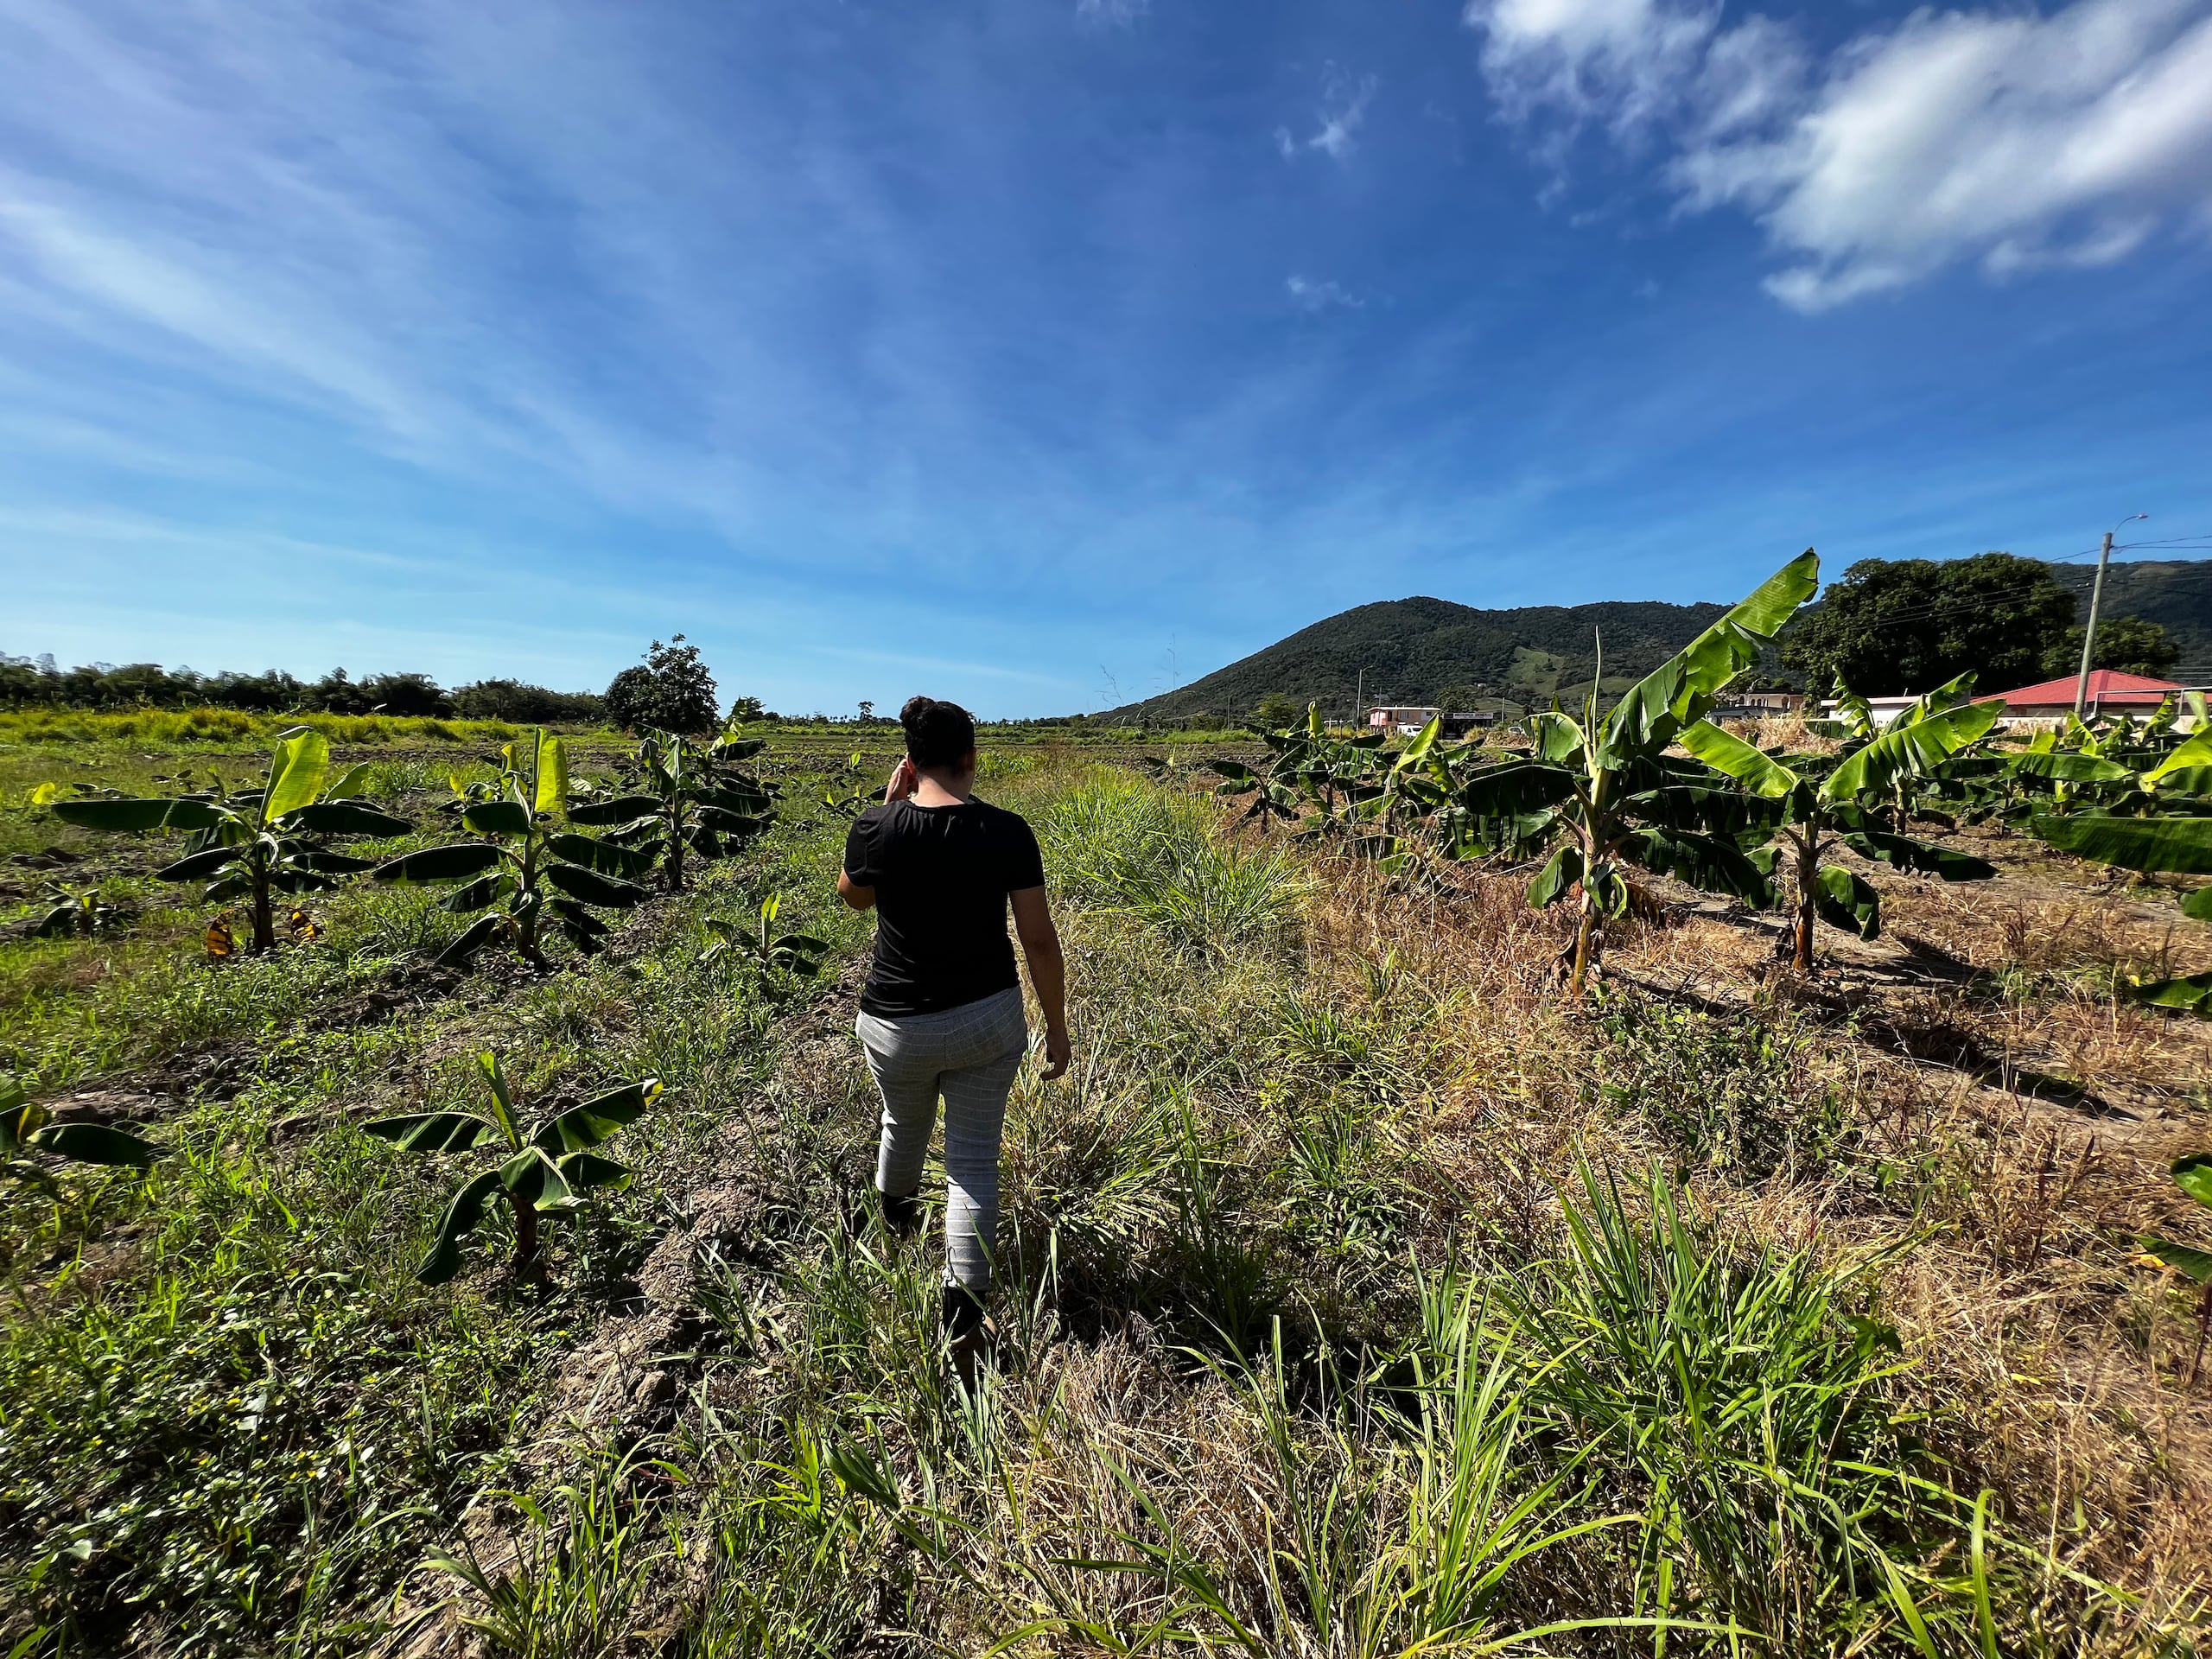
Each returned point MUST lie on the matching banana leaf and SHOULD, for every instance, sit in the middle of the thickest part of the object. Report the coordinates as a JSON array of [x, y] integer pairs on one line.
[[197, 867], [1750, 766], [2192, 995], [622, 809], [433, 1131], [481, 932], [606, 857], [1679, 690], [295, 774], [125, 816], [532, 1177], [1708, 862], [2184, 1259], [2193, 1175], [597, 1118], [585, 1170], [347, 818], [461, 1219], [1517, 788], [1844, 899], [1916, 750], [1551, 882], [456, 862], [595, 888], [95, 1143], [2067, 766], [2174, 845], [498, 818], [1921, 857]]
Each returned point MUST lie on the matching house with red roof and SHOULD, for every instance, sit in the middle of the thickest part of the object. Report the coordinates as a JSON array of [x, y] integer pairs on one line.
[[2111, 692]]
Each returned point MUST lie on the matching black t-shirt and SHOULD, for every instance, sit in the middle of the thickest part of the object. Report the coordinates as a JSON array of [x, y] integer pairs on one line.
[[941, 876]]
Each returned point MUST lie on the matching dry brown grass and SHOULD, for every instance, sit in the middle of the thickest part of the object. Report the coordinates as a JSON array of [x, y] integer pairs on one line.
[[2013, 1235]]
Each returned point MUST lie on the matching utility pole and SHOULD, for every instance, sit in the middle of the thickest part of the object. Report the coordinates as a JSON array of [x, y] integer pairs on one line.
[[1359, 708], [2089, 633]]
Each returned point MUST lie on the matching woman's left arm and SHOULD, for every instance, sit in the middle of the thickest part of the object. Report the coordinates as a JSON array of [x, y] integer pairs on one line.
[[1048, 972]]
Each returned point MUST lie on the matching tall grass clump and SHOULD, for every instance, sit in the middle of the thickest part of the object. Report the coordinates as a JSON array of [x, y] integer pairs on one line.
[[1736, 1402], [1121, 845]]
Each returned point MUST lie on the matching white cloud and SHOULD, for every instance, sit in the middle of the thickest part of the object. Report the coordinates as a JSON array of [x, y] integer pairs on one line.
[[1112, 14], [2013, 140], [1337, 124], [1309, 295]]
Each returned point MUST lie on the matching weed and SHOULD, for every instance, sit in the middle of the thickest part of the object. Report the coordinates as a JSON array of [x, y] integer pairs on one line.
[[1728, 1092]]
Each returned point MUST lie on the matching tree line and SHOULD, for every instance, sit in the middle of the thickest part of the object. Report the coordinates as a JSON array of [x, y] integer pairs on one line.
[[672, 690]]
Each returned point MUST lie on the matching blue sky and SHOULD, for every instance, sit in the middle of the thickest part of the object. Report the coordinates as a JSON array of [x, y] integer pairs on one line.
[[1045, 353]]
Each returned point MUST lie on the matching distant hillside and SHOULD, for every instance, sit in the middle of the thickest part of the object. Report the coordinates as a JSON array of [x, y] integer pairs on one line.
[[2176, 593], [1414, 649]]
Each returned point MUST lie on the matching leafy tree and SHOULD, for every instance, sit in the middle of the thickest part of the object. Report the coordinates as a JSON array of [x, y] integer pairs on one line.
[[743, 711], [270, 840], [527, 705], [2128, 643], [1891, 626], [632, 698], [1274, 712], [670, 691], [547, 1169], [1458, 698]]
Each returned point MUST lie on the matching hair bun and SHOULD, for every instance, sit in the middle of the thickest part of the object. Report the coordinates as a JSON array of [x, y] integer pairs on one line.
[[937, 733]]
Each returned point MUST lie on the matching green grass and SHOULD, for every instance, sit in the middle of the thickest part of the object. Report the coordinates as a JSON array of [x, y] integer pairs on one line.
[[1299, 1354]]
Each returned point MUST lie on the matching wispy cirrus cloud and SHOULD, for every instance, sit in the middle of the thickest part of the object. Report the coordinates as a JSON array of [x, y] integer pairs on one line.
[[1112, 14], [2008, 139], [1342, 113], [1313, 294]]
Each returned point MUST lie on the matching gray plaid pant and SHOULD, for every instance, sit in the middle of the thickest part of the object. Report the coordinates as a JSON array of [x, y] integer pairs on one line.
[[968, 1055]]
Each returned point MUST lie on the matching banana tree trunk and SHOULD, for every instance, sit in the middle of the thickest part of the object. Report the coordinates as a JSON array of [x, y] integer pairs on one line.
[[1808, 871], [676, 851], [526, 913], [265, 924], [1585, 939], [524, 1264]]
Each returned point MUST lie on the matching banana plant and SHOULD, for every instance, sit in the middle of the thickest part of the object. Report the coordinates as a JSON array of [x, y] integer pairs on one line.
[[2193, 1175], [28, 1128], [1824, 801], [793, 953], [76, 913], [1313, 777], [1602, 790], [689, 798], [252, 844], [526, 862], [545, 1166]]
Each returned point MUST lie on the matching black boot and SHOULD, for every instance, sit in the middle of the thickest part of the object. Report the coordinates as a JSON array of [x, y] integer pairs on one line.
[[902, 1217], [965, 1333]]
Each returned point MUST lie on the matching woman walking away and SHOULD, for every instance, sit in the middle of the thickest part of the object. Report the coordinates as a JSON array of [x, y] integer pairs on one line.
[[942, 1011]]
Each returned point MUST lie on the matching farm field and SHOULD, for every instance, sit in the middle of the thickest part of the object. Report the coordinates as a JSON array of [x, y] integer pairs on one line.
[[1363, 1293]]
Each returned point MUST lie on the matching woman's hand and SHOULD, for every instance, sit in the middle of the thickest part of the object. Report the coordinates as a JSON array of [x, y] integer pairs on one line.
[[1058, 1050], [902, 782]]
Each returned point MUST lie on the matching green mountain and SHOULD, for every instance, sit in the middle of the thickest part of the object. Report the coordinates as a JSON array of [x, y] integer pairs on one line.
[[1411, 649], [2176, 593]]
